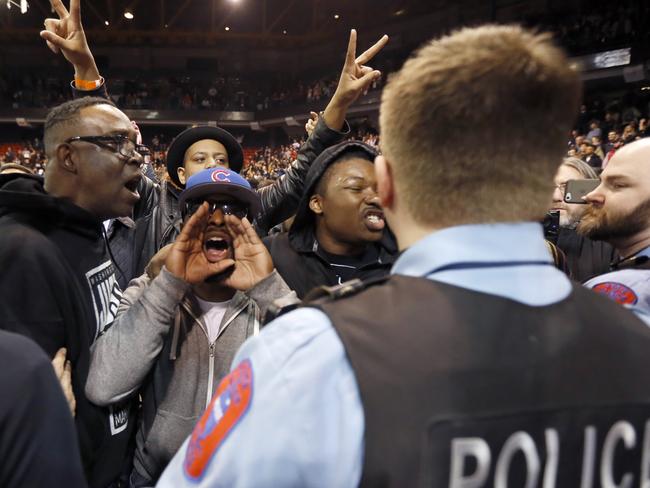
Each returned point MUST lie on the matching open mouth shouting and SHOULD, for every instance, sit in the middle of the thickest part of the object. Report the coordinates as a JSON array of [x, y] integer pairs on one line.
[[217, 246], [132, 186], [373, 217]]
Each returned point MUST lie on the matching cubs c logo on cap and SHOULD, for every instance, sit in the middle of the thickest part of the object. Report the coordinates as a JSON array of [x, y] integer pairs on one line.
[[220, 175]]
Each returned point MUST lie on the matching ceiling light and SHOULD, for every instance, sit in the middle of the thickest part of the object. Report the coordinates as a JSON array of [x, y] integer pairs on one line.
[[106, 22], [284, 31], [227, 28], [401, 11], [128, 15], [337, 16]]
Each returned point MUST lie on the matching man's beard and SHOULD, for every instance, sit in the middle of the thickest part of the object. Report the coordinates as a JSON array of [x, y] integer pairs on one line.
[[601, 225]]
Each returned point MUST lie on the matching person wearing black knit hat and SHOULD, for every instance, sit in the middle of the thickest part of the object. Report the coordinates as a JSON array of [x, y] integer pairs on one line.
[[339, 232], [156, 219]]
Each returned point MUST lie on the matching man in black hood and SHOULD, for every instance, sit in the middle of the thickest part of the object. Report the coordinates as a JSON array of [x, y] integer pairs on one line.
[[57, 286], [339, 231]]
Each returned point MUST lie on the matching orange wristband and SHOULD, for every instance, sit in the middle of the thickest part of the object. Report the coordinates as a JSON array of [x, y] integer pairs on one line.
[[88, 85]]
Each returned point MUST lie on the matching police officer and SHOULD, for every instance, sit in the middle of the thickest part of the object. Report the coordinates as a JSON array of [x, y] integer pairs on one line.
[[476, 363], [619, 213]]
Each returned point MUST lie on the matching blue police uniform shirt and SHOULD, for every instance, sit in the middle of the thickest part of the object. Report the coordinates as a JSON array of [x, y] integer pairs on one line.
[[290, 413], [630, 287]]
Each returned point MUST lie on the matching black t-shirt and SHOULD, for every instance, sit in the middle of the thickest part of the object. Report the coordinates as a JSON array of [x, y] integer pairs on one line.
[[345, 267], [38, 442]]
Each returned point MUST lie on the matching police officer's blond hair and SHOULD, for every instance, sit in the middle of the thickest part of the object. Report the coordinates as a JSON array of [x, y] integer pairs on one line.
[[475, 125]]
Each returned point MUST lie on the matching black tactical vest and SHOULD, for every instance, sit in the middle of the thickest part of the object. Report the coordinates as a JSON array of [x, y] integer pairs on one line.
[[463, 389]]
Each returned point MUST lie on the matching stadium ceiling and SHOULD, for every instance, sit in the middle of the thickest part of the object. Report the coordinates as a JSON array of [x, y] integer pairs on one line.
[[279, 22]]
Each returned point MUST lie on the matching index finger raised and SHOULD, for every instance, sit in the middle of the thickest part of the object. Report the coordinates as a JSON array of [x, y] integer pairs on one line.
[[59, 8], [370, 53], [352, 48]]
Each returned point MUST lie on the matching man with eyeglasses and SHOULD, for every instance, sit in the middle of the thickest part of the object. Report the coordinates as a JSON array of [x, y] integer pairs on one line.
[[182, 326], [585, 258], [156, 220], [58, 286]]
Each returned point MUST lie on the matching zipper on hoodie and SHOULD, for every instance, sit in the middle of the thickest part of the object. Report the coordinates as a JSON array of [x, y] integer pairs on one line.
[[233, 316], [210, 376]]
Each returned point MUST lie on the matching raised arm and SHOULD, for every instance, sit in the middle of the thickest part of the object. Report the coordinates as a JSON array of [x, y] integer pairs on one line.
[[280, 200], [66, 35]]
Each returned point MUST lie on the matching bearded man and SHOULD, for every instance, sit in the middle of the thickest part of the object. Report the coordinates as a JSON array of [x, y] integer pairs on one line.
[[619, 213]]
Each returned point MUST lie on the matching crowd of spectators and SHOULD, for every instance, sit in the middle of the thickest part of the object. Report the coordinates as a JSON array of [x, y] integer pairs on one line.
[[608, 25], [384, 241], [220, 93], [29, 154], [264, 165], [601, 129], [612, 24], [597, 136]]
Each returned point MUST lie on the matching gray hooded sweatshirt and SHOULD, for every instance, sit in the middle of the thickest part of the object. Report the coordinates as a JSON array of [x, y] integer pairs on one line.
[[158, 346]]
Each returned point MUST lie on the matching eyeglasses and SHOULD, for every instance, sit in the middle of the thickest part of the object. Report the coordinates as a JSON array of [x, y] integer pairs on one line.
[[118, 143], [227, 208]]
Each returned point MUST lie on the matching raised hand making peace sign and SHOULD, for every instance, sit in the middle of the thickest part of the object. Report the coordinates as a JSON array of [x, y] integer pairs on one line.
[[355, 79], [66, 35]]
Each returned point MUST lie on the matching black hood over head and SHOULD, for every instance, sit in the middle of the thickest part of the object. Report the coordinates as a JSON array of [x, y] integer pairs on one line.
[[25, 194], [304, 216], [302, 232]]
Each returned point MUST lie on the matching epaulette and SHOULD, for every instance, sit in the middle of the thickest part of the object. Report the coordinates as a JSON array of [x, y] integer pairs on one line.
[[280, 307], [319, 295]]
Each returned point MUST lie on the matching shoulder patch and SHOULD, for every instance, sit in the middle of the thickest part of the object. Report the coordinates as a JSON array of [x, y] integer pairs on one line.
[[617, 292], [228, 406]]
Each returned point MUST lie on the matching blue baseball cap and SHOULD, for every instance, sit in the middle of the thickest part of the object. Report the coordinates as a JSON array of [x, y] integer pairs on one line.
[[219, 181]]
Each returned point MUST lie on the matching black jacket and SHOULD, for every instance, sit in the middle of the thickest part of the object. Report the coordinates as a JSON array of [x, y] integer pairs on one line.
[[585, 258], [157, 221], [157, 217], [297, 255], [38, 444], [58, 288]]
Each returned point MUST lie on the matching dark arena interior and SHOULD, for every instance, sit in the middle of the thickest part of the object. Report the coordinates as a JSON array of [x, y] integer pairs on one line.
[[324, 243]]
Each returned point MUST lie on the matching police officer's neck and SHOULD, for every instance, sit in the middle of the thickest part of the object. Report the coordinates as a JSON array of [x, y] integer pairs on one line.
[[629, 246]]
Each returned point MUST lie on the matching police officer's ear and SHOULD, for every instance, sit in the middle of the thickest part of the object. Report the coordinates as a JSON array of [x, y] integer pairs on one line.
[[385, 182], [316, 204]]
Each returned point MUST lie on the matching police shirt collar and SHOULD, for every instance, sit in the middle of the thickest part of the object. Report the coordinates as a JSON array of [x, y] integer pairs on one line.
[[487, 243]]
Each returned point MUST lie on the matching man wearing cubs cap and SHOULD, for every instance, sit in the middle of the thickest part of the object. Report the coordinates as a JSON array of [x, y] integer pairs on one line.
[[177, 333], [156, 219]]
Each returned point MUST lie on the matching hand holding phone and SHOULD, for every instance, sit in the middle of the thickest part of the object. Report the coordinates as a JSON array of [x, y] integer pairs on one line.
[[577, 189]]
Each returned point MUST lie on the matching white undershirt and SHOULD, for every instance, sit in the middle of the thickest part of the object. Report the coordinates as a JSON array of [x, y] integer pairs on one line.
[[213, 313]]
